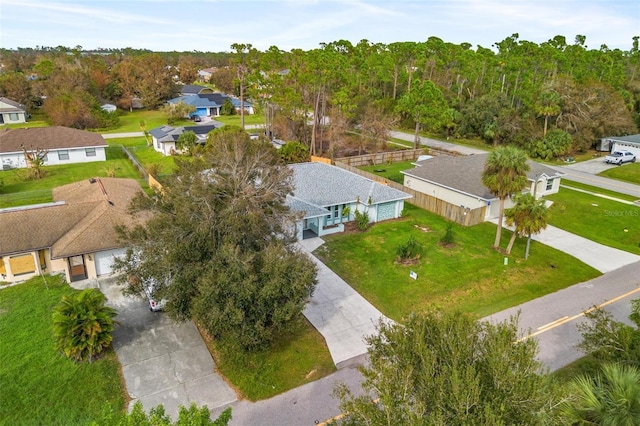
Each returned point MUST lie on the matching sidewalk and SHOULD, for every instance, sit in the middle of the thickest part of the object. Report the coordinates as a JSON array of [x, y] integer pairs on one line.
[[339, 313], [601, 257]]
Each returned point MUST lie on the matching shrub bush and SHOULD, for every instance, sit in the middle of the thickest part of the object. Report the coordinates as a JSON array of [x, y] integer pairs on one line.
[[447, 238], [409, 250], [362, 220]]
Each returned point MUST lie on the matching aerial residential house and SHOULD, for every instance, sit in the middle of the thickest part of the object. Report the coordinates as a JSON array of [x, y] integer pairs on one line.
[[64, 145], [622, 143], [74, 236], [455, 182], [164, 138], [209, 104], [327, 197], [12, 112], [205, 74]]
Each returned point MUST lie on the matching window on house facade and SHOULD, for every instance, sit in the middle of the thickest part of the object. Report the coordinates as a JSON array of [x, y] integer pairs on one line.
[[549, 184], [63, 155], [90, 152], [13, 116]]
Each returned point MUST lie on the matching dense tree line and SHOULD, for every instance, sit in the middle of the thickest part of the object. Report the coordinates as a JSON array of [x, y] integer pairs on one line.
[[549, 98]]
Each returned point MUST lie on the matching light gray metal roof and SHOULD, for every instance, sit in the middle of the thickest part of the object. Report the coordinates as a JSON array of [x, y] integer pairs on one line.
[[324, 185], [634, 139]]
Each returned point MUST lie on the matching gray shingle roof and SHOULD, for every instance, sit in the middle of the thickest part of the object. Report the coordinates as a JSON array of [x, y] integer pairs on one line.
[[14, 106], [171, 134], [324, 185], [309, 210], [206, 100], [464, 173], [56, 137], [634, 139]]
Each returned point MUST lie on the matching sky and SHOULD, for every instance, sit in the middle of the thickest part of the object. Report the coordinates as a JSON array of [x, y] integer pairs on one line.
[[213, 25]]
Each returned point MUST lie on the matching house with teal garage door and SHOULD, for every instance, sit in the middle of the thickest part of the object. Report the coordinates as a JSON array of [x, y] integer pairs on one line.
[[327, 197]]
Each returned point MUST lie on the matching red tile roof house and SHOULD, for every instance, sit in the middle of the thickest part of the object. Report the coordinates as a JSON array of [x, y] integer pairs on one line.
[[65, 146], [75, 235]]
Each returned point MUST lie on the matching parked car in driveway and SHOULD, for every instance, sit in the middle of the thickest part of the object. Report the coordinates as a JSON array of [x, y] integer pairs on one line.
[[155, 304], [619, 157]]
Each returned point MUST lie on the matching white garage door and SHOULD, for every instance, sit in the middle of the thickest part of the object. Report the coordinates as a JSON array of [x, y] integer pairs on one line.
[[104, 260]]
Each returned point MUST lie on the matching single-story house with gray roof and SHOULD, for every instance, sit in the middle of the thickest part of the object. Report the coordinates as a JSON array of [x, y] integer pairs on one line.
[[74, 235], [457, 180], [625, 143], [64, 145], [12, 112], [328, 196], [164, 137]]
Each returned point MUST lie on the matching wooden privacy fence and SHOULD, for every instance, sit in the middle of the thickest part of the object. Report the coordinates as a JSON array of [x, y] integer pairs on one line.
[[452, 212], [381, 157]]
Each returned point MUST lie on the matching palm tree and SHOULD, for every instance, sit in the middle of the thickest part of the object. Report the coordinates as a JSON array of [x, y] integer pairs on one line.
[[505, 173], [612, 398], [529, 216], [83, 325]]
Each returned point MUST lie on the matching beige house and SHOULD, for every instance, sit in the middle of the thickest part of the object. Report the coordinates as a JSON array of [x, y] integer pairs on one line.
[[74, 236], [458, 182]]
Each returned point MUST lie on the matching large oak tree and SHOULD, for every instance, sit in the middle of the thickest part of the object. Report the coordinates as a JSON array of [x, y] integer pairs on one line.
[[219, 243]]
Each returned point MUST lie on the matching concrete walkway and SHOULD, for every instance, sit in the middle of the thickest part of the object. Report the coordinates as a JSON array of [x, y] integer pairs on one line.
[[339, 313], [601, 257]]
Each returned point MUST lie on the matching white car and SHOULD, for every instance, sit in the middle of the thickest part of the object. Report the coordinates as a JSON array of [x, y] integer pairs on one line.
[[619, 157], [155, 305]]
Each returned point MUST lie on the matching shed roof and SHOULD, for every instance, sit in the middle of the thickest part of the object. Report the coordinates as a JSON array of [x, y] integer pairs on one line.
[[13, 106]]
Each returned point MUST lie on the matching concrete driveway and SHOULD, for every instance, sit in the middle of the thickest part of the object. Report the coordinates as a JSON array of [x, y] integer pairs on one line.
[[162, 362], [593, 167]]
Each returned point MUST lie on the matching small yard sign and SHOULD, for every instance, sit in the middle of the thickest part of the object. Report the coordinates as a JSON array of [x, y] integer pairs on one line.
[[413, 275]]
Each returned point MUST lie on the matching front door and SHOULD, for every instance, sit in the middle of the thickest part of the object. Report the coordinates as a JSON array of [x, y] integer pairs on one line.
[[77, 268]]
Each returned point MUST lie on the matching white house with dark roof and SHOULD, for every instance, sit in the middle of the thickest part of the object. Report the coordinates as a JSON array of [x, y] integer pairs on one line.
[[328, 196], [457, 180], [64, 145], [165, 137], [625, 143], [12, 112]]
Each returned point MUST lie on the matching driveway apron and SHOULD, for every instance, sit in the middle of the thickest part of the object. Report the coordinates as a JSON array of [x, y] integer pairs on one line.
[[339, 313], [601, 257], [163, 362]]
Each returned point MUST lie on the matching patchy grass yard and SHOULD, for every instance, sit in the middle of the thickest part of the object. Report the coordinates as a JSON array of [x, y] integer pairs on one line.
[[390, 171], [19, 189], [469, 276], [146, 155], [234, 120], [597, 219], [39, 385], [627, 173], [299, 357]]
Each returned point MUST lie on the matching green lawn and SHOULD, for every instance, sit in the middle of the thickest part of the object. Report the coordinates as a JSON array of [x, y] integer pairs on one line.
[[19, 189], [39, 386], [146, 155], [627, 173], [390, 171], [299, 357], [596, 190], [597, 219], [235, 119], [470, 276], [130, 121]]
